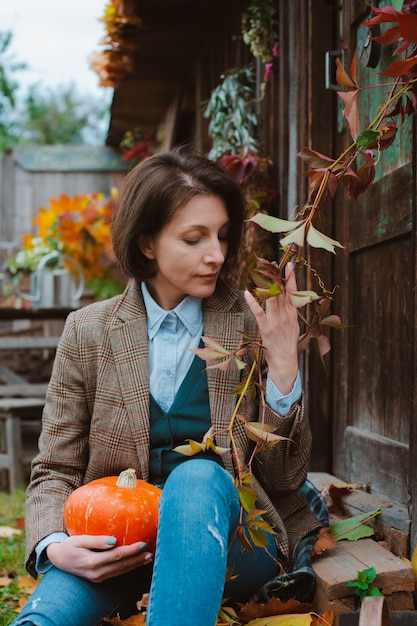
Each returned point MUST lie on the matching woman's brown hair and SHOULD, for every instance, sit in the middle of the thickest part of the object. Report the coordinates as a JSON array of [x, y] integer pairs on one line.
[[155, 189]]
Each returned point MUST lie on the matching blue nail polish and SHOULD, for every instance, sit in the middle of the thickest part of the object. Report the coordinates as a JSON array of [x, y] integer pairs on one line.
[[111, 541], [142, 545]]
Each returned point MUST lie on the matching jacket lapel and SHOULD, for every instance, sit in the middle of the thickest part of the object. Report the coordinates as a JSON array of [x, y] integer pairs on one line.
[[129, 341], [223, 324]]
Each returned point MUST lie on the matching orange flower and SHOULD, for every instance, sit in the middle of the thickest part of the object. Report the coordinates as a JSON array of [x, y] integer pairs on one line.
[[80, 227]]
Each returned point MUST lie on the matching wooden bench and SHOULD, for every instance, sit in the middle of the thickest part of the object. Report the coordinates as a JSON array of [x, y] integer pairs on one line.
[[21, 406], [15, 385], [18, 417]]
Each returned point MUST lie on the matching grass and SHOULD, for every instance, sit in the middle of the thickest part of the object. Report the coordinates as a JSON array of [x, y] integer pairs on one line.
[[12, 554]]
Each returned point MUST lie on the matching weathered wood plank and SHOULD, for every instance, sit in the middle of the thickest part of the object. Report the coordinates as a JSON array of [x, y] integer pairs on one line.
[[341, 564], [396, 618], [29, 343], [392, 525], [25, 389], [9, 377]]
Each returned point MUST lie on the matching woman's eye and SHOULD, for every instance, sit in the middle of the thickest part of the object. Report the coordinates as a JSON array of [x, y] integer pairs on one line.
[[191, 242]]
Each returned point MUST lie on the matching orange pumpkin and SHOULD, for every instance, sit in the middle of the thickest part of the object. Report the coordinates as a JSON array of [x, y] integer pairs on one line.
[[121, 506]]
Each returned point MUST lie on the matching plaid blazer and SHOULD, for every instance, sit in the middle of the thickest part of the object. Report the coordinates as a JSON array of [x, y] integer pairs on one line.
[[96, 416]]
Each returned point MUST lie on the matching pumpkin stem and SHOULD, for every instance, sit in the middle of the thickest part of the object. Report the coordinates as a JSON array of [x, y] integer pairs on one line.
[[127, 478]]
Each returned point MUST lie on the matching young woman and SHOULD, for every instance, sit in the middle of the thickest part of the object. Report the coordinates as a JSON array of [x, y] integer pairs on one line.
[[125, 390]]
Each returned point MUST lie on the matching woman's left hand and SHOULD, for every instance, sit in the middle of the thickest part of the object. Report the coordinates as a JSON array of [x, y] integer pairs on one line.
[[279, 329]]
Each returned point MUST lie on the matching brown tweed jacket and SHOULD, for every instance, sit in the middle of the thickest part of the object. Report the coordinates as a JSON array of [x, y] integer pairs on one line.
[[96, 416]]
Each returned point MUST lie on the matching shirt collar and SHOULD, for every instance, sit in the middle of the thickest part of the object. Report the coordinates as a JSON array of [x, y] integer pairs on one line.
[[189, 312]]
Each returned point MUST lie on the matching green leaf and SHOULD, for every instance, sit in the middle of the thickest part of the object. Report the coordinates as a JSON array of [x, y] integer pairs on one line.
[[272, 291], [301, 298], [354, 528], [368, 575], [258, 538], [296, 237], [273, 224], [397, 4], [316, 239], [374, 591], [247, 497], [367, 138]]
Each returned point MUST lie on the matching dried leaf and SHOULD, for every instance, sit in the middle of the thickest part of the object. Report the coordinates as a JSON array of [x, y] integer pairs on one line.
[[294, 619], [8, 531], [262, 432], [134, 620], [342, 77], [325, 541], [195, 447], [253, 610]]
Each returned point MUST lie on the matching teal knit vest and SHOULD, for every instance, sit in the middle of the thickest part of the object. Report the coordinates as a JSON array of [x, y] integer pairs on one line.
[[188, 418]]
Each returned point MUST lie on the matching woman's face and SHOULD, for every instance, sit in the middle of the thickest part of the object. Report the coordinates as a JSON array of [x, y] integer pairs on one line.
[[188, 252]]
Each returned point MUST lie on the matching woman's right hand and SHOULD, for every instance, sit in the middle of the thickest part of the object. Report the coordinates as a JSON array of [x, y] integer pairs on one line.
[[94, 559]]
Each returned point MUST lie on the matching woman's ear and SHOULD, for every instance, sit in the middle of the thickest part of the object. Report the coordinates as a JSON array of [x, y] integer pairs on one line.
[[145, 246]]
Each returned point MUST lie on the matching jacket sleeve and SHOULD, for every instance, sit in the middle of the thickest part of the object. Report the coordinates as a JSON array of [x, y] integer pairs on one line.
[[283, 466], [60, 464]]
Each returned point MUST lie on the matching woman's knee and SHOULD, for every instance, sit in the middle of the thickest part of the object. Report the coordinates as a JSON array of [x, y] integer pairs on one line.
[[194, 473]]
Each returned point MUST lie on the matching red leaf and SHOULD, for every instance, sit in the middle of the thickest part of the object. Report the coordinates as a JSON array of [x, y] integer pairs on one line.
[[390, 36], [324, 345], [388, 134], [382, 15], [398, 68], [332, 184], [408, 26], [350, 99], [365, 177], [315, 159]]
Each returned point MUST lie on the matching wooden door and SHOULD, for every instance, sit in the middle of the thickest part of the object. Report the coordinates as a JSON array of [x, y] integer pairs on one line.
[[373, 359]]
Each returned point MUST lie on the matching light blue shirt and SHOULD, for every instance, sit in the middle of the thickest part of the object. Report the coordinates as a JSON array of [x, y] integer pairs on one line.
[[170, 335]]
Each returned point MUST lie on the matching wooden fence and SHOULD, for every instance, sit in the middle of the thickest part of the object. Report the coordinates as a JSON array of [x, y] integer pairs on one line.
[[29, 176]]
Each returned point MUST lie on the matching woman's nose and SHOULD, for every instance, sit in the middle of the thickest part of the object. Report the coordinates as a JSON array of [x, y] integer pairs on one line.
[[216, 252]]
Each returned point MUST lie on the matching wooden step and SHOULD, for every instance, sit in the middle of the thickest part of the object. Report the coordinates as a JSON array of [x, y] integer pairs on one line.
[[392, 525], [341, 564], [336, 567]]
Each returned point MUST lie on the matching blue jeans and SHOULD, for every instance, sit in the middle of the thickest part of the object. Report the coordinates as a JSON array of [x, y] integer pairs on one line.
[[199, 513]]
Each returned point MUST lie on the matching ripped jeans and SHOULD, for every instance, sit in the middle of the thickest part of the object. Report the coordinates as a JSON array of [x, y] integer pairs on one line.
[[199, 513]]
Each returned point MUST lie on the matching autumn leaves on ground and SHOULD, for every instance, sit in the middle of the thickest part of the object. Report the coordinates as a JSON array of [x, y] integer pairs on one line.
[[16, 586]]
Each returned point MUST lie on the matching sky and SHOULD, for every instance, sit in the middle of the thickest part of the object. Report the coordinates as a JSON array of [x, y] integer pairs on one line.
[[55, 38]]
